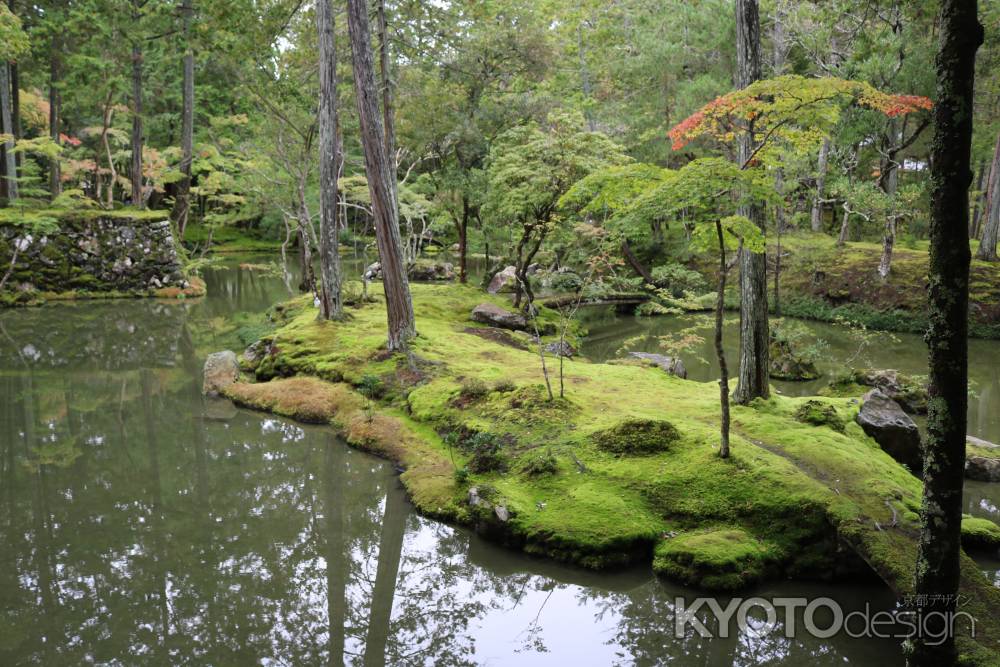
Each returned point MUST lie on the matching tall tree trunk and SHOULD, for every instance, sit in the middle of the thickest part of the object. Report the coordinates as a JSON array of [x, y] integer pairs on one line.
[[754, 341], [991, 212], [136, 141], [381, 181], [182, 203], [388, 112], [463, 241], [977, 206], [888, 241], [636, 265], [55, 110], [938, 557], [330, 304], [336, 562], [720, 351], [845, 227], [816, 219], [9, 164]]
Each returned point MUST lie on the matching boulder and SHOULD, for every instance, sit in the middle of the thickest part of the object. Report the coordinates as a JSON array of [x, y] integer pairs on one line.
[[982, 469], [503, 281], [432, 271], [561, 349], [884, 420], [495, 316], [786, 364], [979, 442], [672, 365], [255, 353], [221, 370], [908, 392], [372, 272]]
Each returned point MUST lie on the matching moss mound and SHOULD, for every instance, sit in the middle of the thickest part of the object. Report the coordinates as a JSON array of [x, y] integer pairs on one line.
[[819, 413], [717, 559], [978, 533], [637, 437], [303, 398]]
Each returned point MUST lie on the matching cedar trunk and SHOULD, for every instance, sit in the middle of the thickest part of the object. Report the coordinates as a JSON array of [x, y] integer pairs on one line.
[[135, 173], [55, 110], [330, 304], [6, 125], [182, 204], [991, 212], [381, 182], [754, 337], [816, 220], [938, 558]]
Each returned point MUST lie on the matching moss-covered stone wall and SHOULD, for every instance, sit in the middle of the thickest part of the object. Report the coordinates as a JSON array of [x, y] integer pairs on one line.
[[95, 252]]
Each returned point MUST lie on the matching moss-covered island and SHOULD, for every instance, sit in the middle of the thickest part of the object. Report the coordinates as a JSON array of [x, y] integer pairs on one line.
[[63, 254], [622, 469]]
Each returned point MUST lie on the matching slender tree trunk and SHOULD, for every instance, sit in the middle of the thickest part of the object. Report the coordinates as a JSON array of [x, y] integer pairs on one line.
[[182, 203], [720, 352], [845, 227], [888, 241], [109, 111], [588, 92], [777, 275], [816, 220], [55, 111], [15, 102], [938, 558], [330, 304], [388, 112], [977, 206], [336, 561], [991, 212], [636, 265], [136, 141], [9, 164], [463, 241], [754, 340], [381, 181]]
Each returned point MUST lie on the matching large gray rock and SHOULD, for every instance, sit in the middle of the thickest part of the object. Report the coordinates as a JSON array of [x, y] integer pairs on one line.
[[221, 370], [884, 420], [432, 271], [503, 281], [905, 390], [487, 313], [982, 469], [560, 349], [672, 365]]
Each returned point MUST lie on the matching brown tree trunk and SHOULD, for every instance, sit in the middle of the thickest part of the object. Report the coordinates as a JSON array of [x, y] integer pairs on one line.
[[636, 265], [330, 304], [720, 352], [938, 558], [888, 241], [9, 163], [55, 110], [388, 112], [845, 227], [182, 203], [381, 181], [977, 206], [135, 173], [816, 219], [991, 212], [754, 338], [463, 241]]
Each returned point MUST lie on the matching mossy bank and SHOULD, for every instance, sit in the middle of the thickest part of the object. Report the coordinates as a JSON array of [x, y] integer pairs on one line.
[[467, 417]]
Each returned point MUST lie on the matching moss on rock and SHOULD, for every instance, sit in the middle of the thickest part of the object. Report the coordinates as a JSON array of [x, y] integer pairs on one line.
[[717, 559], [979, 533], [819, 413]]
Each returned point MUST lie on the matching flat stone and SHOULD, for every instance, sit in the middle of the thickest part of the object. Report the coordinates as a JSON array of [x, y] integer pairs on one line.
[[495, 316], [982, 469], [672, 365]]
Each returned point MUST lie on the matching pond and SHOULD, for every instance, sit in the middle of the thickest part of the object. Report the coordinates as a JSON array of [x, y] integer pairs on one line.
[[143, 524]]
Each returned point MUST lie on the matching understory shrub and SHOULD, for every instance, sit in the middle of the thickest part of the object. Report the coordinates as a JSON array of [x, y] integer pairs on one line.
[[637, 436]]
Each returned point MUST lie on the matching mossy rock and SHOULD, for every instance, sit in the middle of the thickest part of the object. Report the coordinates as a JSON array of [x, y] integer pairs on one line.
[[718, 559], [818, 413], [637, 436], [978, 533]]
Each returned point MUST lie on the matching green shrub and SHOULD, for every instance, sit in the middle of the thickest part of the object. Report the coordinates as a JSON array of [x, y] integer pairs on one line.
[[637, 436], [487, 453], [679, 279], [371, 387], [472, 389], [504, 386], [540, 463]]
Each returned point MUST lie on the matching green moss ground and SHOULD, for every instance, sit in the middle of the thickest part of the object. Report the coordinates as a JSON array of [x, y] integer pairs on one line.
[[795, 499]]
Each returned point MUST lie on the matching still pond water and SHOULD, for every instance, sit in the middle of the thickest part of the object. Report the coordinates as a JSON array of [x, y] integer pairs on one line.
[[142, 524]]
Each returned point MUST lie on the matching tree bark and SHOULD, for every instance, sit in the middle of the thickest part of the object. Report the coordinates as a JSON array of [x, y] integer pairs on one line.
[[136, 140], [939, 551], [991, 212], [634, 262], [845, 227], [330, 304], [463, 241], [816, 220], [888, 241], [182, 203], [381, 181], [754, 336], [977, 206], [388, 113], [9, 163], [55, 110], [720, 351]]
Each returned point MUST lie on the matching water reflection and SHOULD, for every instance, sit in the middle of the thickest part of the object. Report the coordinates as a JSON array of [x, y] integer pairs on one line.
[[141, 524]]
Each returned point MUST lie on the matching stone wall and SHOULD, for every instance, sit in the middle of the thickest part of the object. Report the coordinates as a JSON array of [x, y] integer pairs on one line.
[[104, 252]]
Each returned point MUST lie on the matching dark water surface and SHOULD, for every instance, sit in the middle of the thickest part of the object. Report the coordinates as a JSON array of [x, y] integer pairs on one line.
[[141, 524]]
